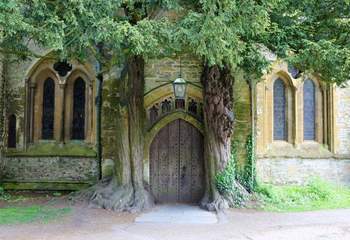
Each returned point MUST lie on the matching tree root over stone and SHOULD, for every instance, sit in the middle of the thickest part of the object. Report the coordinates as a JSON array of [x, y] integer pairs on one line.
[[108, 195], [219, 203], [237, 197]]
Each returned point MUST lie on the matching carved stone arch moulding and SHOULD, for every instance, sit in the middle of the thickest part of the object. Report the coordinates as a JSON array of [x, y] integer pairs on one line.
[[324, 111], [161, 102], [319, 112], [35, 99], [40, 71], [79, 73]]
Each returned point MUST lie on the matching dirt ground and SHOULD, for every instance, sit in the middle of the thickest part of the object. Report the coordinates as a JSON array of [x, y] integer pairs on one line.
[[87, 224]]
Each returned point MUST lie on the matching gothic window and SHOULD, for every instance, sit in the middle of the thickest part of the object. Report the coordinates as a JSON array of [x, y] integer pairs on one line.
[[180, 103], [192, 107], [166, 106], [48, 109], [279, 111], [11, 140], [153, 114], [78, 128], [309, 110]]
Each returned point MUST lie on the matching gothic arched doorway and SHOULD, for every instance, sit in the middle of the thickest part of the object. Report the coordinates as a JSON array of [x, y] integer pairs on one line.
[[177, 164]]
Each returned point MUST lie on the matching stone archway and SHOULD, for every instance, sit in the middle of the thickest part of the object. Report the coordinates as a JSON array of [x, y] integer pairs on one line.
[[177, 164]]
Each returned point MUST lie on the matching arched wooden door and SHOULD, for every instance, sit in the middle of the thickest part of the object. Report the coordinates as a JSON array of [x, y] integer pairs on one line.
[[176, 164]]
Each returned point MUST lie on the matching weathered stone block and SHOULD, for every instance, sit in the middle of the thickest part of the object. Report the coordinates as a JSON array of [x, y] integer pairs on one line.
[[299, 171]]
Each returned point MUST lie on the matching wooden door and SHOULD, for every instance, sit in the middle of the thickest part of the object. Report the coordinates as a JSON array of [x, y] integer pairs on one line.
[[176, 164]]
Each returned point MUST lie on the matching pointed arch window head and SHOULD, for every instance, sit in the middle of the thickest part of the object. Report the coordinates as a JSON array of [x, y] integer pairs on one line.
[[279, 111], [48, 109], [78, 128], [309, 110]]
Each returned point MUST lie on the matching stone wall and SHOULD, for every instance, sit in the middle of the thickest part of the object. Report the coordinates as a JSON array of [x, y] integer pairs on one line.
[[299, 170], [342, 121], [161, 71], [50, 169], [242, 113], [158, 72]]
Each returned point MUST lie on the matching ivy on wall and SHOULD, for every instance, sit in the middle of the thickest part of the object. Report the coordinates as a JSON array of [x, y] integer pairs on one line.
[[249, 173], [246, 176]]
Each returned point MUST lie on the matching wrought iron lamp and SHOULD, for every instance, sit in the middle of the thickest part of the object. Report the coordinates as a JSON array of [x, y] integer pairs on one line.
[[180, 87]]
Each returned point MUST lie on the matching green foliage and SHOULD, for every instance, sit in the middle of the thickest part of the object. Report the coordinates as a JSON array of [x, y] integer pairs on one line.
[[313, 35], [225, 179], [74, 28], [225, 33], [226, 182], [317, 194], [4, 196], [247, 177], [16, 215]]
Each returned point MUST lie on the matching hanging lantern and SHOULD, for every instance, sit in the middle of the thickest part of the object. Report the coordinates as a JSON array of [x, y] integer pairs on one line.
[[180, 86]]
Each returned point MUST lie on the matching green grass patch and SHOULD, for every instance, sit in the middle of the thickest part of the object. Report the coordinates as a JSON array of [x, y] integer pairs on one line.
[[17, 215], [54, 149], [316, 195]]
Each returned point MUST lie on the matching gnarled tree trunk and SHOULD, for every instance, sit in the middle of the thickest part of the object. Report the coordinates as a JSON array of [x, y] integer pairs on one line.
[[136, 79], [219, 123], [125, 191]]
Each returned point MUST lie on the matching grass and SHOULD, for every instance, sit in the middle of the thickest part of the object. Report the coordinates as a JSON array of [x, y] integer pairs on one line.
[[17, 215], [316, 195], [27, 214]]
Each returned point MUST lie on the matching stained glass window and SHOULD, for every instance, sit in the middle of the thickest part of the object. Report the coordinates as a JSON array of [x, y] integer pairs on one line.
[[192, 107], [48, 109], [279, 111], [153, 114], [78, 130], [11, 138], [309, 110], [180, 104], [166, 106]]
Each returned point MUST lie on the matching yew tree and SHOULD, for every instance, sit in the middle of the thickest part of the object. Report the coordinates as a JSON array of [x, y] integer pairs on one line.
[[116, 33], [235, 35], [228, 35], [225, 34]]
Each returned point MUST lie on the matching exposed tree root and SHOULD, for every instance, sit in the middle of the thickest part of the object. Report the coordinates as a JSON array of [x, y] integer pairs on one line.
[[108, 195], [219, 203], [237, 197]]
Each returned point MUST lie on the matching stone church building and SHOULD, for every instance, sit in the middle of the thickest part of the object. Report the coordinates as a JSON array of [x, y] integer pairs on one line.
[[48, 125]]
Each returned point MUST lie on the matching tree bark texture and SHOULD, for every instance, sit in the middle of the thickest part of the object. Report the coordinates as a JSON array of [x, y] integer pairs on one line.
[[218, 123], [125, 191]]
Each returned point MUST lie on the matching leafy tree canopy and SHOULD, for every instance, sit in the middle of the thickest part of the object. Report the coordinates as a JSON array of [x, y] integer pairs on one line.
[[75, 27], [312, 35], [227, 32]]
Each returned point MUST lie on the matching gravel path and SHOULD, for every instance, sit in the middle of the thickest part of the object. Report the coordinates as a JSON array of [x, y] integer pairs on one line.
[[88, 224]]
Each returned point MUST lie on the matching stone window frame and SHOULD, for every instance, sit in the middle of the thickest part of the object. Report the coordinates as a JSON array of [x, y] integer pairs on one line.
[[320, 111], [325, 113], [285, 110], [290, 108], [63, 103], [69, 95], [37, 84]]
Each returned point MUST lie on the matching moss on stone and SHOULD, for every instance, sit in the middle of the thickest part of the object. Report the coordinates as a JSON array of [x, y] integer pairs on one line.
[[243, 120], [52, 186], [54, 149]]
